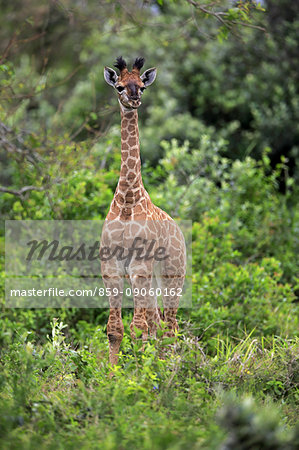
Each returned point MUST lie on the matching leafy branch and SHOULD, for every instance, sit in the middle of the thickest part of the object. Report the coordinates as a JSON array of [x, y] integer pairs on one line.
[[240, 14]]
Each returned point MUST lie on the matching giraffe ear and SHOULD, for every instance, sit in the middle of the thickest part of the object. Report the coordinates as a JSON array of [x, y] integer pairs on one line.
[[110, 76], [149, 76]]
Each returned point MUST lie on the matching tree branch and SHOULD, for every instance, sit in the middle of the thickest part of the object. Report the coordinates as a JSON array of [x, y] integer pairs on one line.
[[222, 16], [22, 191]]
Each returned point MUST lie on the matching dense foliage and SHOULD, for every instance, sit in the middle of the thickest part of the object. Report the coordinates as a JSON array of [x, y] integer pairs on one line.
[[219, 142]]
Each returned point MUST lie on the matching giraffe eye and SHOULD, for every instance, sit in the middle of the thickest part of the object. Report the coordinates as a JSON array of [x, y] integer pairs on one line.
[[120, 88]]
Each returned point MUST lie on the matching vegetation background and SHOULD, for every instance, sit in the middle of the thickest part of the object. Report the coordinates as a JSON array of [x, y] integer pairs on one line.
[[220, 145]]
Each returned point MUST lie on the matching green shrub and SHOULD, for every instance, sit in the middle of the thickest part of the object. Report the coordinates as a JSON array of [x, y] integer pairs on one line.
[[55, 394]]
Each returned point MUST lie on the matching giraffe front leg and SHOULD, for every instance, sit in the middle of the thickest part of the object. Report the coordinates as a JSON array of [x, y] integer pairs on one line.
[[115, 327], [139, 322], [142, 302], [153, 320], [115, 334], [154, 315], [172, 285], [171, 322]]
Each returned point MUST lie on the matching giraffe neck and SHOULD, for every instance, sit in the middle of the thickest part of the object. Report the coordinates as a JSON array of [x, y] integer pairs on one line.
[[130, 187]]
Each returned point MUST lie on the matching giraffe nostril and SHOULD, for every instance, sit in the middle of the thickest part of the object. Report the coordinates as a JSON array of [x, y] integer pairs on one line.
[[135, 102]]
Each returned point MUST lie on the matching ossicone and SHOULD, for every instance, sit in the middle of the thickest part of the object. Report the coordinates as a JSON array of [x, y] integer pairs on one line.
[[120, 64], [138, 64]]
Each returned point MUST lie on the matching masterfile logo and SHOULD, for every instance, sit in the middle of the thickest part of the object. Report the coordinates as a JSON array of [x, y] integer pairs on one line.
[[58, 263]]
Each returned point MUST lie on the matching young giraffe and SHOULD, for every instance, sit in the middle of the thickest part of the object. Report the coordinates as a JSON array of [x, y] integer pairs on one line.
[[133, 214]]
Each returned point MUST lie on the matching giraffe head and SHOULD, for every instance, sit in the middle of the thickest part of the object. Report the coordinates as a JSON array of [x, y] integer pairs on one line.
[[129, 85]]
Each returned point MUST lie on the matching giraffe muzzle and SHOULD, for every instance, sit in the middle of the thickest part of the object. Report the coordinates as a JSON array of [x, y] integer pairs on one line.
[[135, 103]]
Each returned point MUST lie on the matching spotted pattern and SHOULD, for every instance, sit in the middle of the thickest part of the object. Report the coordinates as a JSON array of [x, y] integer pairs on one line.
[[132, 214]]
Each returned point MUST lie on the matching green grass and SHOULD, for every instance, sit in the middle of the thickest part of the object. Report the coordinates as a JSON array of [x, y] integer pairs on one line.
[[58, 395]]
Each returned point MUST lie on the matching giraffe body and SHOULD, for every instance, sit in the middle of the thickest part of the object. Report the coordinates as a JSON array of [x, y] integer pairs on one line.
[[133, 217]]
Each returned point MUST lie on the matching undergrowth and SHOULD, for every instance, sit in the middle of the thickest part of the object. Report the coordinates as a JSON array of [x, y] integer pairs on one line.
[[60, 395]]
